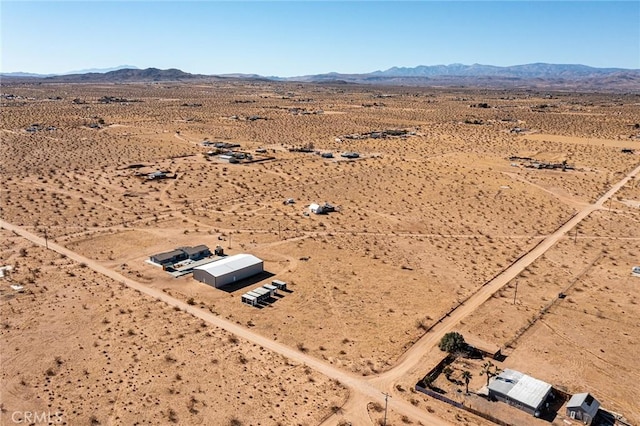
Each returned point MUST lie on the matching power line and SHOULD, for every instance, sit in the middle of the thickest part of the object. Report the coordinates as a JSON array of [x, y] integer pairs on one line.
[[386, 399]]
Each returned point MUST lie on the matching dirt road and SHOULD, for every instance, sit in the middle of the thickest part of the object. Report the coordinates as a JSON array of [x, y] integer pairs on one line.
[[413, 358], [372, 388], [357, 385]]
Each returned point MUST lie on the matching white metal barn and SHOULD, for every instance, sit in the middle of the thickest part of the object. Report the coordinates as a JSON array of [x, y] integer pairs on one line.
[[228, 270]]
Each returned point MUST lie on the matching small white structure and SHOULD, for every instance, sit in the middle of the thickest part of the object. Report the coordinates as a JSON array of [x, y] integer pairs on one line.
[[635, 271], [583, 406], [273, 290], [264, 294], [4, 270], [156, 175], [228, 270], [322, 209], [249, 299], [280, 285]]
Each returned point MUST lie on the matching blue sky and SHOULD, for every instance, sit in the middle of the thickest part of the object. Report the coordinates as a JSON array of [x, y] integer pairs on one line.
[[290, 38]]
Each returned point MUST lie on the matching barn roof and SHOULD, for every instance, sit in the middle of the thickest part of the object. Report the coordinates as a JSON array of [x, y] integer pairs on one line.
[[229, 264]]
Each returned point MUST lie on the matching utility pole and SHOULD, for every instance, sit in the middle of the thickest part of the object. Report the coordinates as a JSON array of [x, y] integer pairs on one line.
[[46, 239], [515, 293], [279, 237], [386, 403]]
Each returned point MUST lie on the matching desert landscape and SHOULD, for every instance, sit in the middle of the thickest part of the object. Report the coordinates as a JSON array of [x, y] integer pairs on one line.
[[491, 212]]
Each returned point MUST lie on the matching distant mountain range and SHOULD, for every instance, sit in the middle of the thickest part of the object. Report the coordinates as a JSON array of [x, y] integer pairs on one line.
[[86, 71], [539, 75], [539, 70], [127, 75]]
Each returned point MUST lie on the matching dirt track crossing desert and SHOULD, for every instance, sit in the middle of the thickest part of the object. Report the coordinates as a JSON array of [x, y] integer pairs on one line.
[[451, 218]]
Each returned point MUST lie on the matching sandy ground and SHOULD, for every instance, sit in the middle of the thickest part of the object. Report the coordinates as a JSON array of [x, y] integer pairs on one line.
[[89, 350], [425, 220], [579, 343]]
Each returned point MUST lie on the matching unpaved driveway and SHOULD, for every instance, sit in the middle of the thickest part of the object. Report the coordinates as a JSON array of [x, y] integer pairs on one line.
[[362, 390]]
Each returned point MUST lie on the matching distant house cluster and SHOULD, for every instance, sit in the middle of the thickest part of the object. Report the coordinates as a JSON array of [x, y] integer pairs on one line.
[[235, 156], [389, 133], [147, 172], [228, 152], [304, 111], [39, 127], [160, 174], [115, 99], [350, 154], [537, 164], [220, 145]]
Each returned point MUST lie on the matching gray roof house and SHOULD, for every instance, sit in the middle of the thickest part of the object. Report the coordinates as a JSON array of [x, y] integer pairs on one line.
[[180, 254], [583, 406], [197, 252], [521, 391], [169, 257]]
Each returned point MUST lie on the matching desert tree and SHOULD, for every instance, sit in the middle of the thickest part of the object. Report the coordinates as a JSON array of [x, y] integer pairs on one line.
[[427, 381], [466, 376], [447, 371], [489, 369], [452, 342]]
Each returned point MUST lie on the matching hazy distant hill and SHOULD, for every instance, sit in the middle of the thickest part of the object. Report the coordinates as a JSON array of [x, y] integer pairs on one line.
[[91, 70], [127, 76], [538, 70], [539, 75], [101, 70], [24, 74]]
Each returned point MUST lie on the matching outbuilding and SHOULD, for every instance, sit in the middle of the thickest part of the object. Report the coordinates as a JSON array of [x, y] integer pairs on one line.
[[521, 391], [485, 348], [280, 285], [249, 299], [228, 270], [583, 406], [315, 208]]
